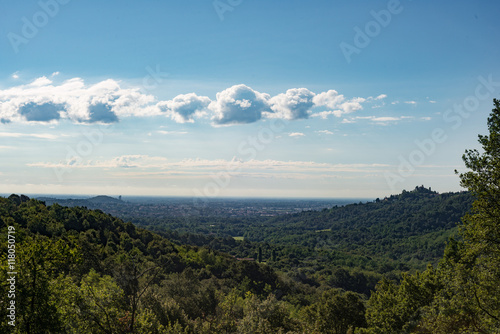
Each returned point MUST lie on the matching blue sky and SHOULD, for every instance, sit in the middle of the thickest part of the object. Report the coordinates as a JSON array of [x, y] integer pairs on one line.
[[242, 98]]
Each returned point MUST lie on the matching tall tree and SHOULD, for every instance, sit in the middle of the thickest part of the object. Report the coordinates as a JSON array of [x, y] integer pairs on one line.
[[481, 227], [476, 259]]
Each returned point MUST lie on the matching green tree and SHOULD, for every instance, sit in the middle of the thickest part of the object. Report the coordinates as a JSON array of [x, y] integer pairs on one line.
[[42, 260], [481, 228], [336, 312], [101, 307], [471, 300], [394, 308], [262, 317]]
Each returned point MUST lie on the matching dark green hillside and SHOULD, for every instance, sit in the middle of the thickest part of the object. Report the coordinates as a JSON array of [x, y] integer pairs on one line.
[[81, 270], [349, 247], [411, 226], [84, 271]]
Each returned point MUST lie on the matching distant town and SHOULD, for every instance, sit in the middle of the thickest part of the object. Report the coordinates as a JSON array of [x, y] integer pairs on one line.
[[159, 207]]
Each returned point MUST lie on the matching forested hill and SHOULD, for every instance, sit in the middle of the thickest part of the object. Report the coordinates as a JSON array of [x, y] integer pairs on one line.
[[411, 227], [75, 270], [410, 213]]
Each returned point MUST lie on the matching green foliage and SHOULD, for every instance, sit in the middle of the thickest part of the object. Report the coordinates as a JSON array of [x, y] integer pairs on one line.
[[349, 247], [396, 308], [336, 312], [481, 228], [82, 271], [471, 300]]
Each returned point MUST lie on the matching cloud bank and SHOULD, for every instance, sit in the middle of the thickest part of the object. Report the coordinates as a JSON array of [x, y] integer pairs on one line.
[[107, 101]]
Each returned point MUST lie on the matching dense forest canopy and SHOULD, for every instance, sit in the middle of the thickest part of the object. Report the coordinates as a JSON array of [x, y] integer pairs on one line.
[[77, 263]]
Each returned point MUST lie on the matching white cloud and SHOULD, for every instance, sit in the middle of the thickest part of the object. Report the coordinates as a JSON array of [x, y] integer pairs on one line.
[[411, 102], [45, 100], [296, 134], [39, 82], [385, 119], [352, 105], [326, 132], [296, 103], [21, 135], [75, 101], [381, 120], [330, 99], [163, 132], [151, 164], [337, 103], [15, 75], [239, 104], [185, 107], [325, 114]]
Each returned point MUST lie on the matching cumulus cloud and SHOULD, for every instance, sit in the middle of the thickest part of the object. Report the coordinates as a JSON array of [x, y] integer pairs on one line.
[[330, 99], [337, 103], [326, 113], [296, 134], [239, 104], [296, 103], [39, 82], [185, 107], [43, 101], [352, 105], [46, 100]]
